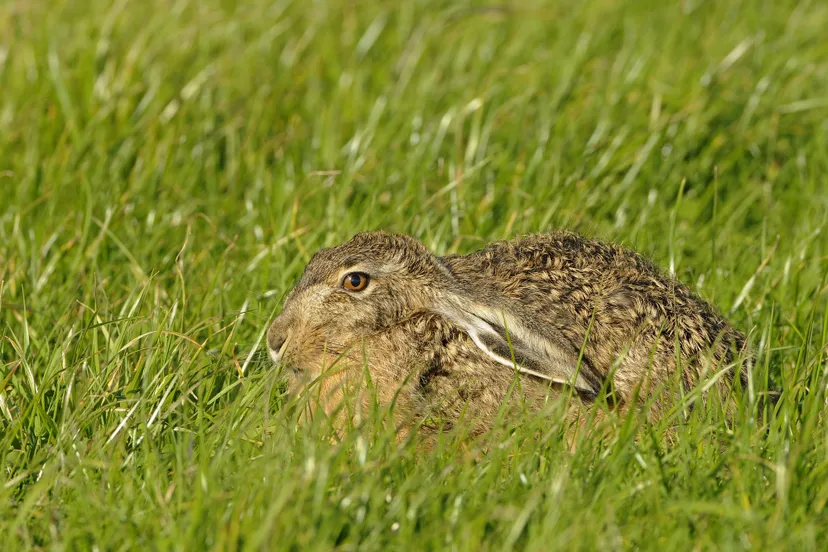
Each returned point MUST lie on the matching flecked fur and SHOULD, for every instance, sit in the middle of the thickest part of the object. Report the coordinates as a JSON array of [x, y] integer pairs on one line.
[[592, 314]]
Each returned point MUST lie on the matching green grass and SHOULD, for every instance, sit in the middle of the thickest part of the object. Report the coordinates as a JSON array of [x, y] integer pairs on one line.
[[168, 167]]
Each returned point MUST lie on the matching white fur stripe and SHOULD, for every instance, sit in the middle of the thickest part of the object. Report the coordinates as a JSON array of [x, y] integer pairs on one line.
[[506, 362]]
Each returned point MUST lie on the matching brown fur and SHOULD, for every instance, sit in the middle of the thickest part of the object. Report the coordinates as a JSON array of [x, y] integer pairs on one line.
[[578, 313]]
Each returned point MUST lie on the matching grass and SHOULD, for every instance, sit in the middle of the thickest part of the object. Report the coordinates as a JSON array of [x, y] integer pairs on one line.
[[168, 167]]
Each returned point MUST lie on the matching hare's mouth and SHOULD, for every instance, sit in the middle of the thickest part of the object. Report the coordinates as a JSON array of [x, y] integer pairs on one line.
[[292, 372], [288, 370], [296, 379]]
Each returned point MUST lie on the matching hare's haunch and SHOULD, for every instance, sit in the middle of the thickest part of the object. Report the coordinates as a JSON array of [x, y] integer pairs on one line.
[[449, 334]]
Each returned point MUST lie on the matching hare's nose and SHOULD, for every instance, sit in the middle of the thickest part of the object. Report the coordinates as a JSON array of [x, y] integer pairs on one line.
[[276, 343]]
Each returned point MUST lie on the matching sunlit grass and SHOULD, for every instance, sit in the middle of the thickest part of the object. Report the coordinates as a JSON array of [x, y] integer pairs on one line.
[[168, 167]]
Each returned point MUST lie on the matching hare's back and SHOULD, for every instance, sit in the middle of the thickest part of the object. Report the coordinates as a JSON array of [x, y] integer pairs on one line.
[[559, 266], [566, 250]]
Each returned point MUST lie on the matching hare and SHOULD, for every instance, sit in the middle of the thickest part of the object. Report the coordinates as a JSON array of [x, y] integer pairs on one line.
[[447, 337]]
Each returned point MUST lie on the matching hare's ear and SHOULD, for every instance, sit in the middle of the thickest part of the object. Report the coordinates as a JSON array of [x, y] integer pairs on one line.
[[501, 337]]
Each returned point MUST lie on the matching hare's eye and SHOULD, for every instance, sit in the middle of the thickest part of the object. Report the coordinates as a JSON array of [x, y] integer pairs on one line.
[[355, 281]]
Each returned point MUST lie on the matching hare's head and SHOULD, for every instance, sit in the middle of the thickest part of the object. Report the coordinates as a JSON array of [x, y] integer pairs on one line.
[[350, 291]]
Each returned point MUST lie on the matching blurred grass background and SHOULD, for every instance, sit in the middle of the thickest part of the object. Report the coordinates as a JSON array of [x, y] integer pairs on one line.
[[168, 167]]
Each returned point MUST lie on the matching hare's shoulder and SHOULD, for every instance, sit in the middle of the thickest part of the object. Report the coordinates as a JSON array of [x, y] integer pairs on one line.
[[432, 335]]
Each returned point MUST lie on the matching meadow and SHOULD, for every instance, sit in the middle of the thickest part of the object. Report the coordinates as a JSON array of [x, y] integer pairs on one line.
[[167, 168]]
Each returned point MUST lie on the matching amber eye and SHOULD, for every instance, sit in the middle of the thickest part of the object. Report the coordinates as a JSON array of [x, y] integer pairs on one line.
[[355, 281]]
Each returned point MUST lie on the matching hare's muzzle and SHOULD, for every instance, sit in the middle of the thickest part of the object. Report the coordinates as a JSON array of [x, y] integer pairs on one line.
[[276, 344]]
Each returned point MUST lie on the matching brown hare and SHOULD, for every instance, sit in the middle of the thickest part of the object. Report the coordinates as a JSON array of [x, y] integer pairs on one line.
[[445, 337]]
